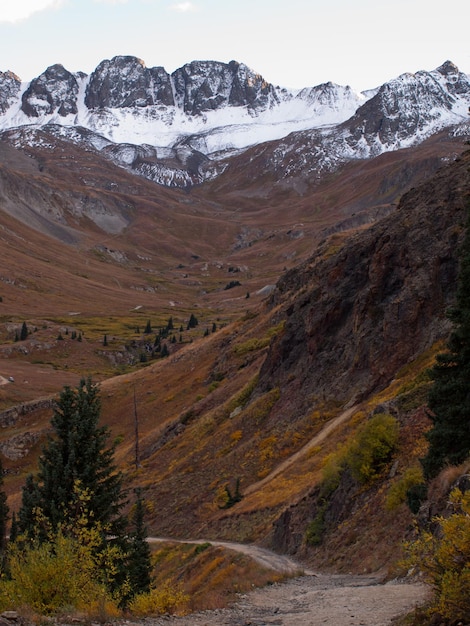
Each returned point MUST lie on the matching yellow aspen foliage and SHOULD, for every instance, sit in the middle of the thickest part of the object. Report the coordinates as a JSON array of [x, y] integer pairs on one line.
[[162, 600], [445, 560], [52, 576]]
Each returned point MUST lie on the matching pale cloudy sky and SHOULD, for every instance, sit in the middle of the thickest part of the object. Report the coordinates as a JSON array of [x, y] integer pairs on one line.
[[293, 43]]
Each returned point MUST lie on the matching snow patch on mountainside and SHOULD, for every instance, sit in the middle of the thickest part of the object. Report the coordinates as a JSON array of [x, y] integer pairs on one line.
[[226, 127], [181, 129]]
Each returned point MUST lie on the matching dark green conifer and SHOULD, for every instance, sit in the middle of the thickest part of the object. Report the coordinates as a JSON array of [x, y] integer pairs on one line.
[[193, 321], [24, 332], [31, 501], [449, 397], [77, 452], [3, 514], [139, 564], [14, 528]]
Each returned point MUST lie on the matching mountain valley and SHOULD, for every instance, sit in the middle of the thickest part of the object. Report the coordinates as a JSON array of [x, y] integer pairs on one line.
[[318, 254]]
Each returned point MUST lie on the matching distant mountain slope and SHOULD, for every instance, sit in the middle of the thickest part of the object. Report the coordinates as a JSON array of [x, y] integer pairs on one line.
[[181, 129]]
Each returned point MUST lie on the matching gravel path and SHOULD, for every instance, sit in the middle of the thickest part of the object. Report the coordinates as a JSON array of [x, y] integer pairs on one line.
[[313, 601], [310, 600]]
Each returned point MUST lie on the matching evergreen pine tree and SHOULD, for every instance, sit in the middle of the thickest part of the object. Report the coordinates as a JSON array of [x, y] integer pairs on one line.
[[148, 328], [139, 565], [449, 397], [169, 325], [31, 501], [3, 514], [193, 321], [24, 332], [13, 528], [77, 453]]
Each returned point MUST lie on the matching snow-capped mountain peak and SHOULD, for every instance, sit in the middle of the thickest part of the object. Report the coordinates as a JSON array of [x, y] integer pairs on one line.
[[209, 110]]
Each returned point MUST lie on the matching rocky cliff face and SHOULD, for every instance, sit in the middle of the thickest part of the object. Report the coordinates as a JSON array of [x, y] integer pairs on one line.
[[208, 85], [124, 81], [405, 106], [195, 88], [357, 316], [54, 91], [10, 85]]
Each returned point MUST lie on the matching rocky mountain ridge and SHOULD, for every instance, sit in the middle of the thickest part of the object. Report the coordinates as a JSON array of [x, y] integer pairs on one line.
[[182, 129]]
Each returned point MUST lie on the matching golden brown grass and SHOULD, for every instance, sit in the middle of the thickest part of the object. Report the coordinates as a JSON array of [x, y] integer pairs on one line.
[[210, 576]]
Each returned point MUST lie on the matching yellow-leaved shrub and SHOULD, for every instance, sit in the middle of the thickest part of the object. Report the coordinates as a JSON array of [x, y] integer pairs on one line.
[[57, 575], [445, 560], [166, 599], [372, 448], [398, 492]]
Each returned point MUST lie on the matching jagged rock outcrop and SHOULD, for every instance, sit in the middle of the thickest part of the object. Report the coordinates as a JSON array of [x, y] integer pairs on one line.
[[405, 106], [125, 81], [54, 91], [199, 86], [10, 86], [356, 317], [207, 85]]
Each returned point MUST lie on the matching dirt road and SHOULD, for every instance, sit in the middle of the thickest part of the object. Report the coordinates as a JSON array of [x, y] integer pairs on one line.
[[313, 599]]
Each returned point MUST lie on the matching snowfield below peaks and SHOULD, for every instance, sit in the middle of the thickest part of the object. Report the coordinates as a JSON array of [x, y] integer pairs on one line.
[[181, 129]]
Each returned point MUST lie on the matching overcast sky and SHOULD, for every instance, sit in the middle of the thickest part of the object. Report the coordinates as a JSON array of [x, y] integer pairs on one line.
[[292, 43]]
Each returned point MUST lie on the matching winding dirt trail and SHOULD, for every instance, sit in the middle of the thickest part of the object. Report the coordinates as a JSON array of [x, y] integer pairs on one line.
[[315, 441], [311, 599], [277, 562]]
